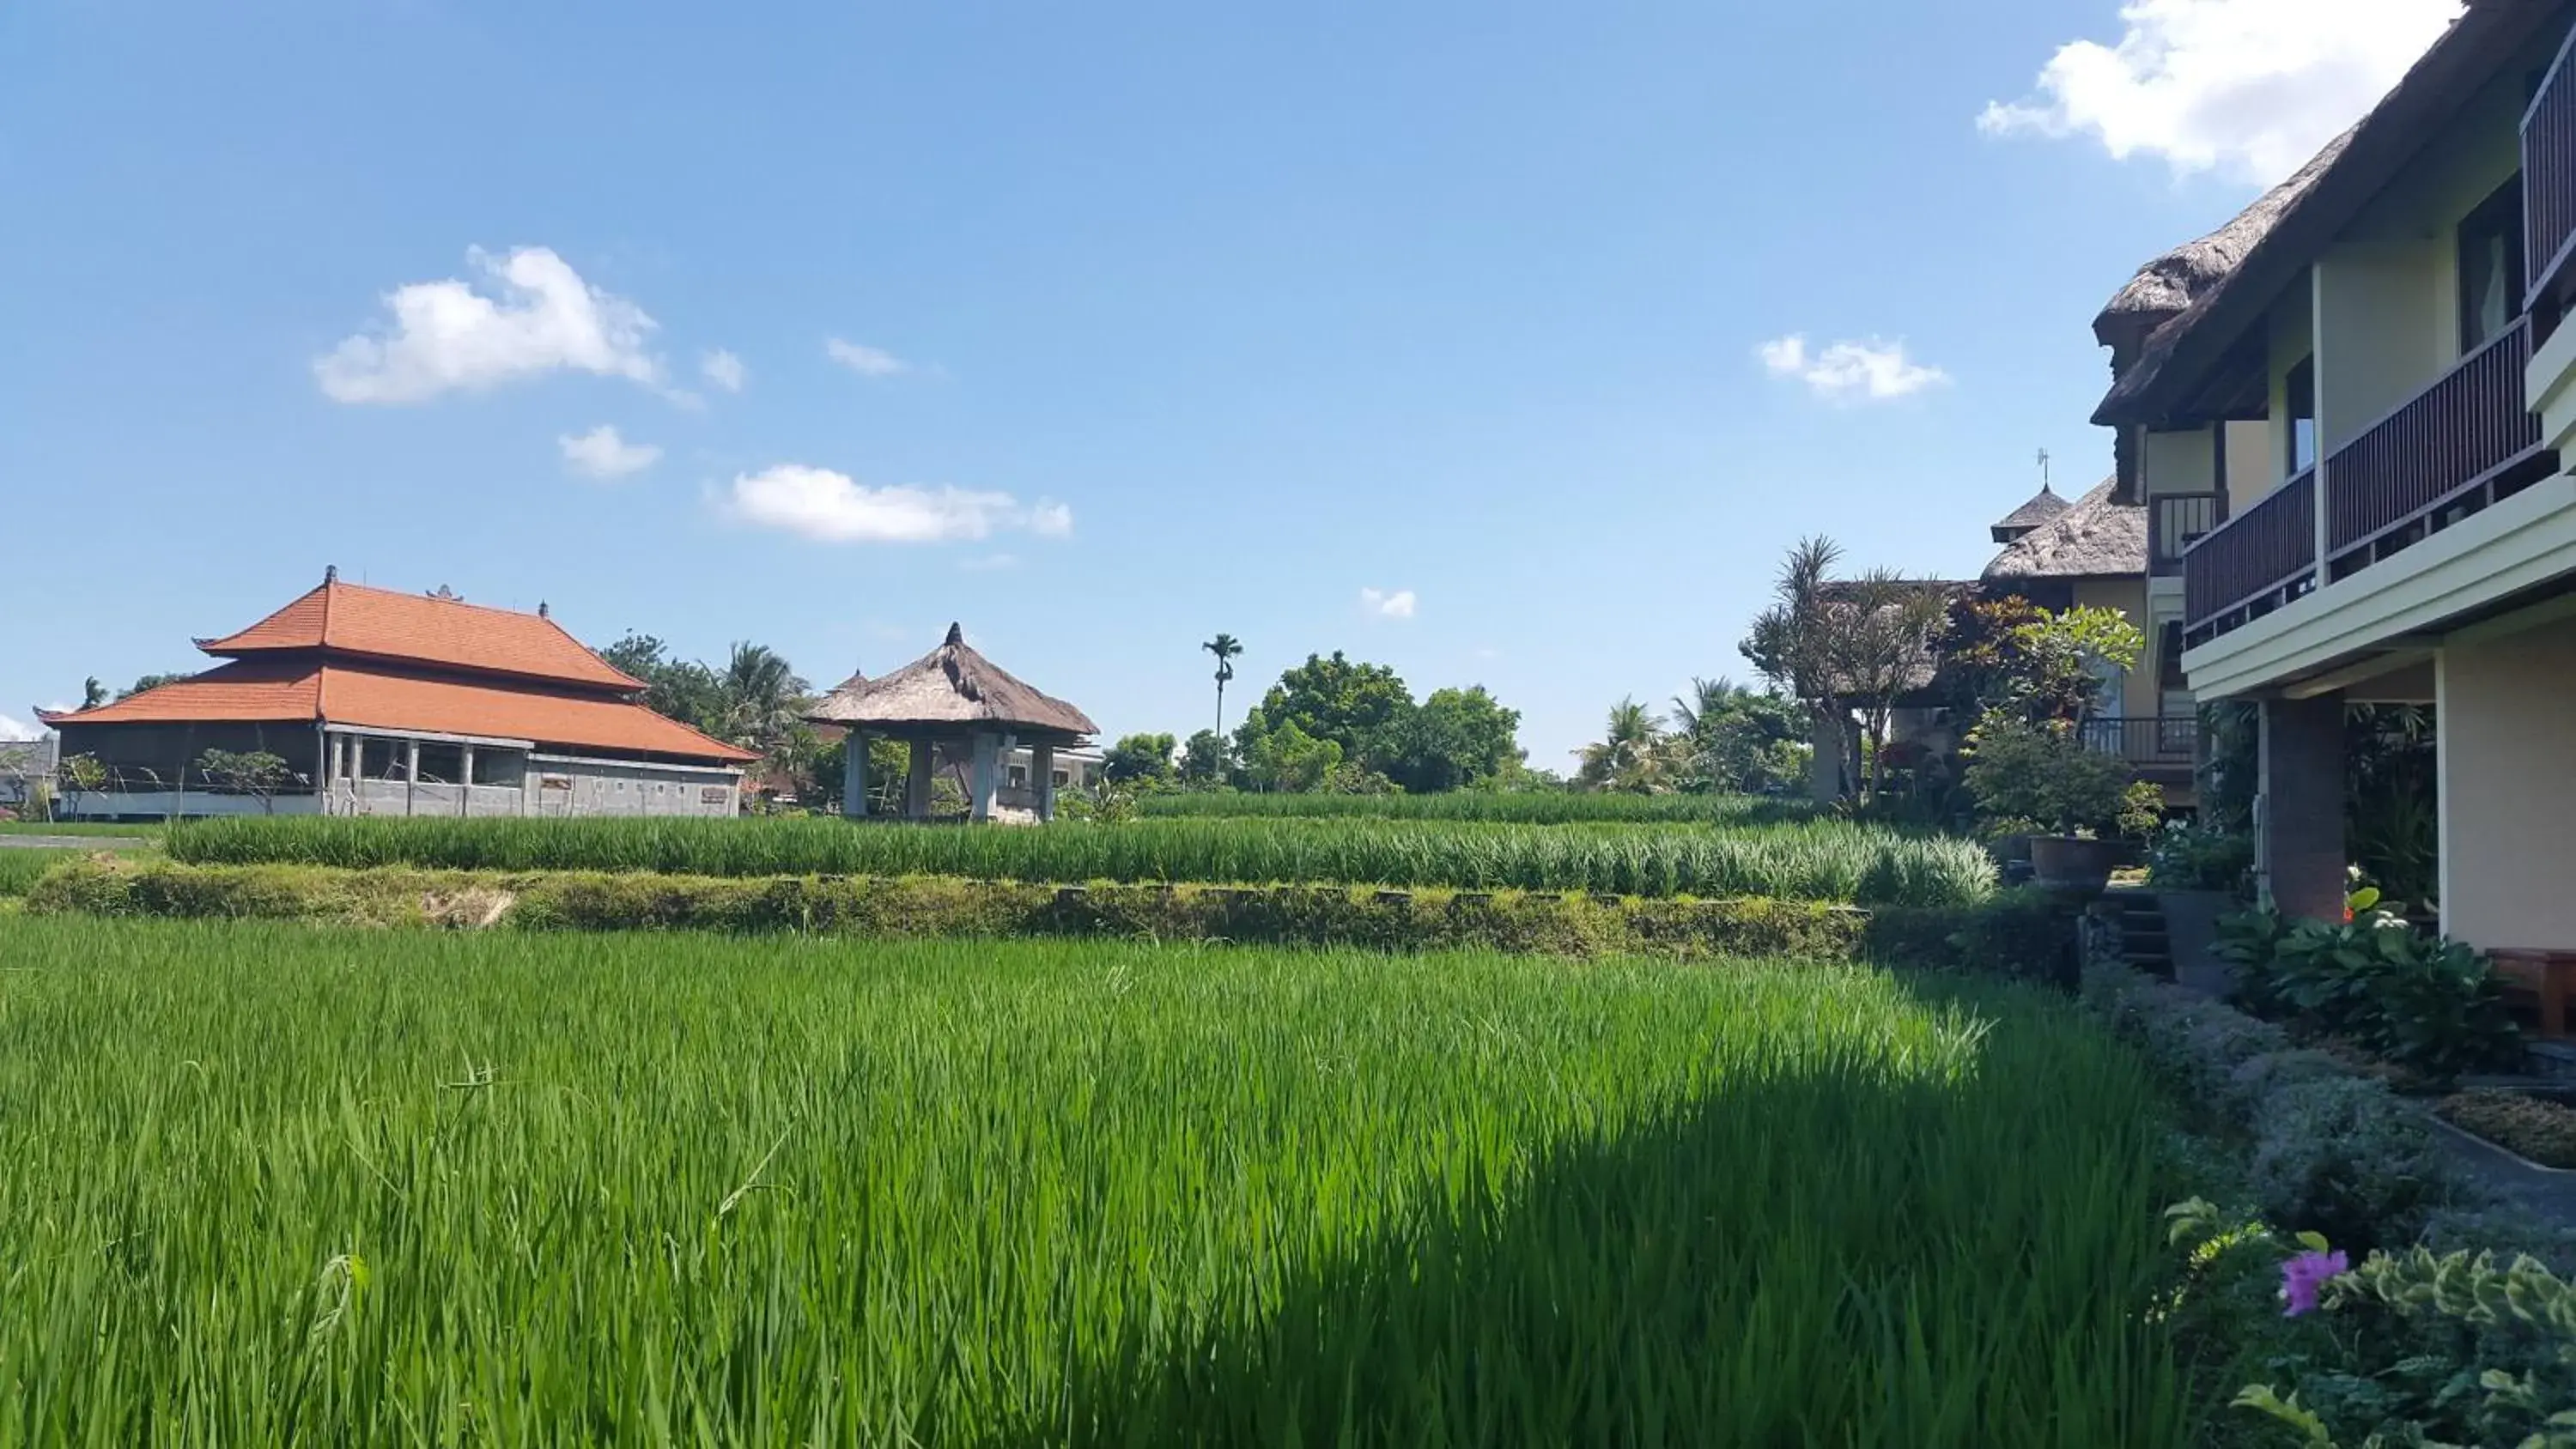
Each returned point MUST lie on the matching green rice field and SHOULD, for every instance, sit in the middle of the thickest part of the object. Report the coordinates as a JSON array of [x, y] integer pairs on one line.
[[288, 1185], [19, 868], [1817, 861], [1523, 807]]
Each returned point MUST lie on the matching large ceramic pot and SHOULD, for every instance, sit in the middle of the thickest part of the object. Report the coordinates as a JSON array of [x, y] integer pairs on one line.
[[2073, 864]]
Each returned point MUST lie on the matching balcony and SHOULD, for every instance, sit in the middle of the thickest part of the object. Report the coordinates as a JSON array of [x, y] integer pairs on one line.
[[2549, 180], [2252, 563], [2451, 450], [2163, 745], [2179, 520]]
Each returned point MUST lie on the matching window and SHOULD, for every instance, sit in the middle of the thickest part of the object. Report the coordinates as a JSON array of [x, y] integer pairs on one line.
[[1019, 777], [2302, 389], [2491, 271], [1063, 778], [2169, 673]]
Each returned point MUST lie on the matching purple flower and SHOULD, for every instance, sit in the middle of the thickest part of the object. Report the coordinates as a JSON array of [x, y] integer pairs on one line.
[[2303, 1275]]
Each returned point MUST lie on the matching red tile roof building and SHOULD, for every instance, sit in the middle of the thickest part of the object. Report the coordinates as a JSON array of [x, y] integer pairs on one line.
[[386, 698]]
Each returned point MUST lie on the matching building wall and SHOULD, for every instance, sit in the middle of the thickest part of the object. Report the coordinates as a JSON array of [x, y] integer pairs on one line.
[[2138, 695], [2380, 320], [2180, 462], [2290, 339], [563, 785], [2507, 728], [2252, 468]]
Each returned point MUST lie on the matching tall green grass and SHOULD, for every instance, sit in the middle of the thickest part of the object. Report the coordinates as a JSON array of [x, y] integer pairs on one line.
[[1824, 860], [272, 1186], [20, 867], [1522, 807]]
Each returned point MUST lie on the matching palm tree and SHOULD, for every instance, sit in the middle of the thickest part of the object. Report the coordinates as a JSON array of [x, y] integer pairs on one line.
[[761, 694], [1630, 754], [1225, 647]]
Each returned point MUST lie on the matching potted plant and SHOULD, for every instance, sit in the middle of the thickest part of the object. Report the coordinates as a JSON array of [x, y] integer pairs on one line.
[[2042, 772]]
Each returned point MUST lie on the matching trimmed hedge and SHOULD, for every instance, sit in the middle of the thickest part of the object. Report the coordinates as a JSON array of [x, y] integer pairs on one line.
[[942, 906]]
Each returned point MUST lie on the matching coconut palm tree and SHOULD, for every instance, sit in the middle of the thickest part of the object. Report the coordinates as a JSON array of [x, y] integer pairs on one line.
[[1630, 754], [1225, 647], [761, 695]]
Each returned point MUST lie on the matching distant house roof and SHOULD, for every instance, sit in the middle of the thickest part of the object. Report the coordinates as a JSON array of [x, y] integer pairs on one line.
[[306, 689], [951, 685], [354, 619], [2042, 507], [2095, 537], [2194, 360]]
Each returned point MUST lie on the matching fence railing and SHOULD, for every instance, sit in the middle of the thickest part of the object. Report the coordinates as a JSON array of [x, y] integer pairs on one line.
[[2549, 178], [2266, 553], [2178, 520], [2443, 445], [2166, 741]]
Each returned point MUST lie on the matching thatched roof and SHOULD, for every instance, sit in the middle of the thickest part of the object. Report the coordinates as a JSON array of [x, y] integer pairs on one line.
[[2097, 537], [2042, 507], [2205, 361], [2163, 288], [950, 685]]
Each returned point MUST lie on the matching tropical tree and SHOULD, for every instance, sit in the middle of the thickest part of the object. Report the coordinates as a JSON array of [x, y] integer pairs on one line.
[[1205, 758], [1738, 739], [1840, 645], [93, 693], [1630, 755], [763, 696], [1225, 647], [1139, 759], [1892, 625]]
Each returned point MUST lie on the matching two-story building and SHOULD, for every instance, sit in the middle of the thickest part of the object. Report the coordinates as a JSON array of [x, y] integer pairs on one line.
[[2344, 413]]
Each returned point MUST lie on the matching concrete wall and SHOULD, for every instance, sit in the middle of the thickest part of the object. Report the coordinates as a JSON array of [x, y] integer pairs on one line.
[[2179, 463], [559, 785], [2253, 469], [2507, 732], [2290, 337], [2381, 325]]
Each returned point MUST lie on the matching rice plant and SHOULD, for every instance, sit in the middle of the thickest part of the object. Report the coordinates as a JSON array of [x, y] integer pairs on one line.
[[273, 1186], [20, 867], [1524, 807], [1823, 860]]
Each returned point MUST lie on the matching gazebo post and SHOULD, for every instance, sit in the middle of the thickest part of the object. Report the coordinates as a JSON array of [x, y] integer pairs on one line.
[[916, 785], [1042, 775], [986, 743], [854, 776]]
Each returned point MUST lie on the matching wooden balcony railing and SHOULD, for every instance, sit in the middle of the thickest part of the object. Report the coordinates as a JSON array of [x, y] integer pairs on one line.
[[2170, 741], [2441, 450], [2178, 520], [2259, 558], [2549, 179]]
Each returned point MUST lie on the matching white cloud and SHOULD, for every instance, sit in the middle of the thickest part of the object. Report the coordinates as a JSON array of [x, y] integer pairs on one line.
[[600, 453], [864, 360], [833, 507], [1396, 605], [17, 729], [722, 370], [537, 316], [2251, 87], [1870, 369]]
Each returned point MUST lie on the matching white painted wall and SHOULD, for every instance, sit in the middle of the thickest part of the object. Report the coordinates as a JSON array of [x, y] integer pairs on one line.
[[2506, 716]]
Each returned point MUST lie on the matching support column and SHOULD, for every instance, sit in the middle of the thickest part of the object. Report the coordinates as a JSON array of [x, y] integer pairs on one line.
[[854, 775], [1825, 766], [465, 782], [916, 783], [411, 776], [986, 774], [1042, 775], [2299, 847]]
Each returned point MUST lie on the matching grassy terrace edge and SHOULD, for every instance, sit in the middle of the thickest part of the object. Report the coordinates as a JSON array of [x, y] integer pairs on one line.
[[2017, 933], [1818, 861]]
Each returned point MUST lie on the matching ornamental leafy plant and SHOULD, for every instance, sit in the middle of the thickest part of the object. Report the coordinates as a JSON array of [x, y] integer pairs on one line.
[[2042, 772], [2430, 1005]]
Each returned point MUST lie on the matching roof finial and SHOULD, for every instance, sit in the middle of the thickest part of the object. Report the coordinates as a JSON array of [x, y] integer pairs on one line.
[[956, 635], [541, 610], [2043, 470], [330, 573]]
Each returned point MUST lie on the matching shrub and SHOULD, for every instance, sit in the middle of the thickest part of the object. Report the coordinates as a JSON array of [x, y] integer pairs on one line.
[[2042, 772], [2432, 1007], [2190, 857], [2542, 1131]]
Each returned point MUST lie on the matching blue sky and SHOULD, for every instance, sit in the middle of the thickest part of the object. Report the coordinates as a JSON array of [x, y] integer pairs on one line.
[[1455, 336]]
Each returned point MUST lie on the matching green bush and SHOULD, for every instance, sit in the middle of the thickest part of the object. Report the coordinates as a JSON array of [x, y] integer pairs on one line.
[[2026, 934], [2189, 857], [2433, 1007]]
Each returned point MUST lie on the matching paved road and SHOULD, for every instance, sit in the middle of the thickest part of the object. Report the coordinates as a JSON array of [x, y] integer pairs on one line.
[[72, 842]]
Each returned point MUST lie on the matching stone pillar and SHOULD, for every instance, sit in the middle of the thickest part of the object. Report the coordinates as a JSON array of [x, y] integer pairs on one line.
[[854, 778], [465, 782], [916, 784], [411, 775], [986, 775], [2299, 849], [1825, 769], [1042, 776]]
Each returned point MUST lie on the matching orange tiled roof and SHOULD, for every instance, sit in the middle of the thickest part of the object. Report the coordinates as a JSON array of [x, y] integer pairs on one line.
[[357, 694], [388, 624]]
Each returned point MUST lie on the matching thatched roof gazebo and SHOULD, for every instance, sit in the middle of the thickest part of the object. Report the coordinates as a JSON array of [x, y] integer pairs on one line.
[[956, 697]]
